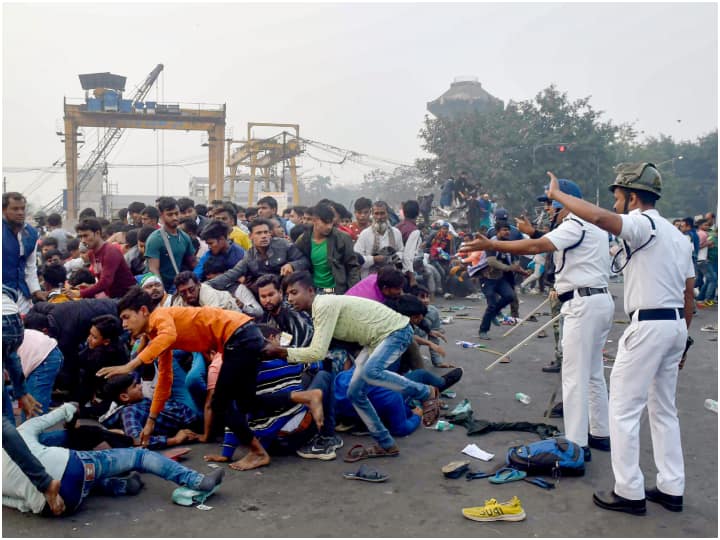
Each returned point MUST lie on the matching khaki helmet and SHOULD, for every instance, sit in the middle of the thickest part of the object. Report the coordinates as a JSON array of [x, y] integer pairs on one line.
[[638, 176]]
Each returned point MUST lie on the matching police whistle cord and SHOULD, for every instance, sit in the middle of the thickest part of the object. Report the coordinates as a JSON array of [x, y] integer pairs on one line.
[[526, 317], [523, 342]]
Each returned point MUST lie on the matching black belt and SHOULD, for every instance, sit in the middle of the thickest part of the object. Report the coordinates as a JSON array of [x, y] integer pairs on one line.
[[582, 291], [660, 314]]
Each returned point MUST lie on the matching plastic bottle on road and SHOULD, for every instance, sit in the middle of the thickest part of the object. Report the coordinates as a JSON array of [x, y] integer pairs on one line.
[[443, 425], [523, 398], [711, 405]]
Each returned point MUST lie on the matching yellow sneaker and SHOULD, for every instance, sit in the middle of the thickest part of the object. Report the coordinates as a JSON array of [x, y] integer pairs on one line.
[[494, 511]]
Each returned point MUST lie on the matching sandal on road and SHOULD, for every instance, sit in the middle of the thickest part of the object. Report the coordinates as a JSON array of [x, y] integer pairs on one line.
[[507, 474], [367, 474], [360, 452], [431, 409]]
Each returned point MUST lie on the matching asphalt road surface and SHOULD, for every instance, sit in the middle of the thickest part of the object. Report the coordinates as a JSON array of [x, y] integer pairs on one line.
[[298, 497]]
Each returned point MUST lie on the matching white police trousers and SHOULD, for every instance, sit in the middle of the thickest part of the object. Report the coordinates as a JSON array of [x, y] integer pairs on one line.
[[586, 324], [645, 373]]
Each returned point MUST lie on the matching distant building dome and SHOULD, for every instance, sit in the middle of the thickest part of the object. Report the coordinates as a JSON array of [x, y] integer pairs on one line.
[[465, 95]]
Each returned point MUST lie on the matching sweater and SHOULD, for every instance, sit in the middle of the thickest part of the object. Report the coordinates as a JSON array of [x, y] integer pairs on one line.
[[112, 271]]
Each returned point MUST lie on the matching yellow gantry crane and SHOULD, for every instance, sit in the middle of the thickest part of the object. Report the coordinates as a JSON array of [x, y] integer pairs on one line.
[[264, 154]]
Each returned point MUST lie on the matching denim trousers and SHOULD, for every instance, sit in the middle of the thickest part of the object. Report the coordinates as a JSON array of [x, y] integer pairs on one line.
[[12, 337], [99, 470], [374, 372], [709, 286], [196, 380], [325, 381], [498, 294], [40, 382], [180, 390]]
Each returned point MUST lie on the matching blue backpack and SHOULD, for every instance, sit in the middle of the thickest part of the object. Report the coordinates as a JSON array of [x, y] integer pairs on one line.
[[549, 456]]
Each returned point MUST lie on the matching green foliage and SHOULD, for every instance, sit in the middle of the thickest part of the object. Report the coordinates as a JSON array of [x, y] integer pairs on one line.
[[507, 152]]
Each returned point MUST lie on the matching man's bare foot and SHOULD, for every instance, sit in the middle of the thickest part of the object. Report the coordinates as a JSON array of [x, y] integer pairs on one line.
[[251, 461], [53, 498], [215, 458]]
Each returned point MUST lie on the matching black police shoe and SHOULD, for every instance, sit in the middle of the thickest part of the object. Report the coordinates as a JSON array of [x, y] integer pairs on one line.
[[674, 503], [587, 454], [609, 500], [552, 367], [599, 443], [557, 410]]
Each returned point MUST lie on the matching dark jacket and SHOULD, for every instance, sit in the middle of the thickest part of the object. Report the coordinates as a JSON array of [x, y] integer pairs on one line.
[[252, 266], [341, 256], [298, 324]]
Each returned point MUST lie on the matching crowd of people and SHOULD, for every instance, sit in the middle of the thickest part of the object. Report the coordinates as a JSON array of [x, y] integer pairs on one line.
[[186, 322]]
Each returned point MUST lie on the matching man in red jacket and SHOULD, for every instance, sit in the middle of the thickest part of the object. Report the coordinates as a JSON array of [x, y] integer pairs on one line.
[[114, 277]]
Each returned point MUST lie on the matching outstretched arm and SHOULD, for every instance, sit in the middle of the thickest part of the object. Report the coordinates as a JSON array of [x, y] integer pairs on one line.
[[599, 217]]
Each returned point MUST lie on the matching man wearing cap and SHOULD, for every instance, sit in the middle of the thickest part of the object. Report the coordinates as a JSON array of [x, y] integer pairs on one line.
[[581, 259], [503, 216], [659, 301]]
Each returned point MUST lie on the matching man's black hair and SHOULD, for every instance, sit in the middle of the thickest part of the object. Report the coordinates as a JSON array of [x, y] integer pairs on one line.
[[268, 331], [407, 305], [268, 279], [73, 244], [87, 213], [324, 212], [14, 195], [54, 220], [363, 203], [109, 326], [89, 224], [411, 209], [184, 203], [49, 241], [250, 212], [166, 204], [136, 207], [214, 265], [151, 212], [184, 277], [54, 275], [134, 299], [118, 384], [417, 290], [270, 201], [201, 209], [189, 225], [389, 276], [81, 275], [302, 277], [342, 212], [299, 210], [296, 231], [258, 222], [144, 233], [690, 222], [34, 320], [52, 253], [122, 214], [131, 237], [215, 229]]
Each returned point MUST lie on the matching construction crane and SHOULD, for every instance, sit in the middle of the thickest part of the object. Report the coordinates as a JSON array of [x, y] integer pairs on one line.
[[109, 140]]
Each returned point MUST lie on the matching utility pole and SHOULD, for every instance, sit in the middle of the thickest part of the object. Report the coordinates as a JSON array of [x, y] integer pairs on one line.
[[4, 184]]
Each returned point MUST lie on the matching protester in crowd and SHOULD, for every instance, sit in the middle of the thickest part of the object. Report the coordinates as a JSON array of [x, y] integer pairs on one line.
[[333, 262], [267, 256], [189, 227], [362, 208], [150, 217], [376, 237], [267, 208], [169, 250], [55, 230], [19, 262], [190, 292], [278, 313], [216, 236], [188, 210], [113, 275], [411, 237], [226, 214], [135, 209], [54, 277]]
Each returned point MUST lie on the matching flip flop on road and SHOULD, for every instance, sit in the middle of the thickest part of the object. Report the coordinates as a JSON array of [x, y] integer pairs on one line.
[[431, 409], [455, 469], [366, 474], [506, 474], [360, 452], [176, 453]]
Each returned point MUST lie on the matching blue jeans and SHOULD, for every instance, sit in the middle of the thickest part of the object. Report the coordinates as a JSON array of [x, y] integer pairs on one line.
[[498, 294], [99, 469], [12, 337], [180, 390], [325, 381], [196, 380], [40, 382], [424, 376], [374, 372], [709, 286]]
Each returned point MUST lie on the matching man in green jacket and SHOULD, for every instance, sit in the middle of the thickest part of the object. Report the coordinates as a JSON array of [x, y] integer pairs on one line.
[[335, 267]]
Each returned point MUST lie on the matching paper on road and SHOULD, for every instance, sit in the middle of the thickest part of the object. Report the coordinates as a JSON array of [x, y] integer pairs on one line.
[[473, 450]]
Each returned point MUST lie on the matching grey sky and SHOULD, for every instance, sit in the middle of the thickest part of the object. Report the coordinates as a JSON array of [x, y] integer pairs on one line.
[[354, 75]]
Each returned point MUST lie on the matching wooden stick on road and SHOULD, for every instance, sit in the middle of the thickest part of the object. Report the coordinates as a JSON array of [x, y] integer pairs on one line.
[[526, 318], [523, 342]]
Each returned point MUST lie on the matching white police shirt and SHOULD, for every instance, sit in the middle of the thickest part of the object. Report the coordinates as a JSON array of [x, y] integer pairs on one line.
[[655, 275], [587, 264]]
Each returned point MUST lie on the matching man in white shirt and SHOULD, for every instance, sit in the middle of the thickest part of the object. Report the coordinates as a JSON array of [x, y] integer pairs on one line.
[[582, 260], [379, 235], [659, 281]]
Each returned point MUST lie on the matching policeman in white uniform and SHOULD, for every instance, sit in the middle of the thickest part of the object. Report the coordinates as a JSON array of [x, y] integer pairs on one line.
[[582, 259], [659, 281]]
